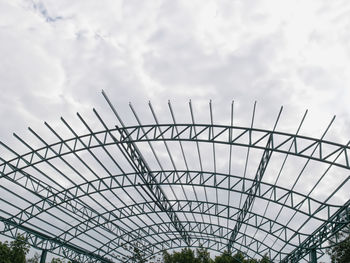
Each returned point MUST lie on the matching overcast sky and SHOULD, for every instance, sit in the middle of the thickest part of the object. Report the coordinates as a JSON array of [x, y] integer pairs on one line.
[[57, 56]]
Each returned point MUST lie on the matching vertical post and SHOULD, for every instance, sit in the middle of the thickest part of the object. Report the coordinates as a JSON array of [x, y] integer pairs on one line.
[[313, 256], [43, 256]]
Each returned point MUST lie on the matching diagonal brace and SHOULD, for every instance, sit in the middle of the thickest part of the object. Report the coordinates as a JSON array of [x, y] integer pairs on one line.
[[146, 175], [74, 249], [135, 157], [252, 192], [333, 225]]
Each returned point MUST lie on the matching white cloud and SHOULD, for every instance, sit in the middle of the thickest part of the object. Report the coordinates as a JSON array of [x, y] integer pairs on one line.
[[56, 56]]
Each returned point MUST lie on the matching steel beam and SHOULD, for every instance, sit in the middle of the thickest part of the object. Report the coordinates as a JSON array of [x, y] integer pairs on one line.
[[333, 225], [51, 198], [43, 241], [278, 194], [200, 229], [251, 193], [87, 229], [247, 137], [145, 173], [184, 206]]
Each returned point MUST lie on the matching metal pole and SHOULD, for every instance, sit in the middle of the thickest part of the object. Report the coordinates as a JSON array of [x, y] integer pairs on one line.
[[43, 256], [313, 256]]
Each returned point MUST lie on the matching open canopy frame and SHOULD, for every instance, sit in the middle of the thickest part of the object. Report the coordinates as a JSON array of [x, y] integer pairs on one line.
[[93, 195]]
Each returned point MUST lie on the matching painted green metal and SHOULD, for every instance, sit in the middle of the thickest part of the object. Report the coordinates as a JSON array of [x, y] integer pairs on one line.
[[313, 255], [252, 191], [95, 197], [45, 242], [335, 223], [143, 170], [43, 256], [251, 137]]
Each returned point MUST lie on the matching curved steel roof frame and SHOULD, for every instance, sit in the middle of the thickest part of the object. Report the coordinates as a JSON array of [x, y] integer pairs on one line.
[[90, 196]]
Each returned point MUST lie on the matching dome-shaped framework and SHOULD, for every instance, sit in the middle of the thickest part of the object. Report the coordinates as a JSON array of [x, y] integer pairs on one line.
[[161, 186]]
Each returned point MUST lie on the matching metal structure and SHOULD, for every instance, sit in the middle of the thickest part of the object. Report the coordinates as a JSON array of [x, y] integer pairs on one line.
[[106, 193]]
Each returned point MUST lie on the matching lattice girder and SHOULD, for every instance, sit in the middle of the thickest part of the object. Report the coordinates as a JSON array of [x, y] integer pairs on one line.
[[98, 215]]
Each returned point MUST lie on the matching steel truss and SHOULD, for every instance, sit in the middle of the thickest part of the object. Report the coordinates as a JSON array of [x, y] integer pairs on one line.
[[97, 196]]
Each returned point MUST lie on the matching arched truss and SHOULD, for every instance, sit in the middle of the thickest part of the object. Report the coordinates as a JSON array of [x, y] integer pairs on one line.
[[90, 196]]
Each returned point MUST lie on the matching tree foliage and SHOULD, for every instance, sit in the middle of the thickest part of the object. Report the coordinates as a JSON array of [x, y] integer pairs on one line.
[[340, 246], [58, 260], [15, 251], [201, 255], [137, 255], [186, 255], [239, 257], [34, 259]]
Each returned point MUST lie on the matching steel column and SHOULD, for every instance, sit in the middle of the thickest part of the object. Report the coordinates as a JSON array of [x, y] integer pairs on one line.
[[336, 222], [313, 255], [43, 256], [94, 196]]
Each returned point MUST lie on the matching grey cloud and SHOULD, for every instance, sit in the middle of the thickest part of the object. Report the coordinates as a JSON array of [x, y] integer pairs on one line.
[[161, 51]]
